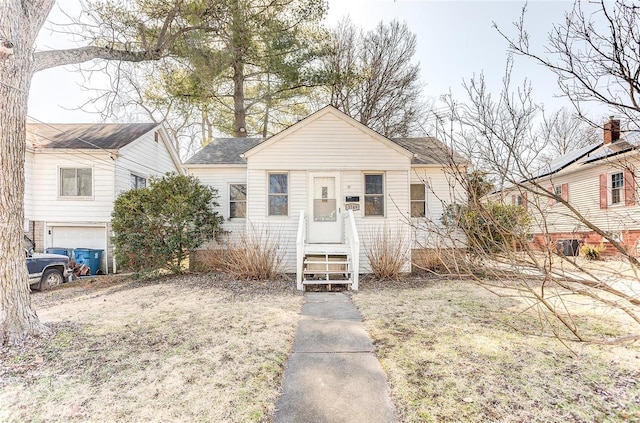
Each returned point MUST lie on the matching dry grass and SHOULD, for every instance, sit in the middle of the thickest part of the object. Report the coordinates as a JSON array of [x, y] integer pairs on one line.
[[195, 348], [455, 352], [387, 251]]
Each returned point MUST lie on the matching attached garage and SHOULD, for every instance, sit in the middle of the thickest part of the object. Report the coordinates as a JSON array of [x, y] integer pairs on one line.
[[94, 237]]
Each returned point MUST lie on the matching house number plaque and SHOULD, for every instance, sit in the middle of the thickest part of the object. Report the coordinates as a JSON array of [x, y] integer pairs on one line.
[[352, 206]]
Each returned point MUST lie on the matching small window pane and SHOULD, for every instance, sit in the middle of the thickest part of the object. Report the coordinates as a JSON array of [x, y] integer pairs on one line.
[[417, 209], [278, 205], [374, 206], [238, 210], [278, 183], [238, 192], [68, 181], [75, 182], [373, 184], [417, 192]]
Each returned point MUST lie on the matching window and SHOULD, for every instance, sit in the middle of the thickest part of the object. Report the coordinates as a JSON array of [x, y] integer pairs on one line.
[[417, 200], [138, 182], [374, 195], [617, 185], [237, 201], [557, 190], [75, 182], [519, 200], [278, 194]]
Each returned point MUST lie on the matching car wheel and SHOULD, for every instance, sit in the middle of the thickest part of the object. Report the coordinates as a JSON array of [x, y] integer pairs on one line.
[[51, 278]]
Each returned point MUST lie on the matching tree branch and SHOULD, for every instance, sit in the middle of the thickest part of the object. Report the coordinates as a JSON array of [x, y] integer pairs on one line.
[[50, 59]]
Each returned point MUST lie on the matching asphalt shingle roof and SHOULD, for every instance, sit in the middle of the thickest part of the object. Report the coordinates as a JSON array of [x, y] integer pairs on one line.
[[108, 136], [428, 150], [224, 151]]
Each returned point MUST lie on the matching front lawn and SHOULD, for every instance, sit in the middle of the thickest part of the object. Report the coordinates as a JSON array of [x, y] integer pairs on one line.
[[453, 351]]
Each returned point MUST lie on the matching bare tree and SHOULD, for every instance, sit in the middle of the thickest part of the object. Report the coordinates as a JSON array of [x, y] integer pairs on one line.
[[372, 77], [594, 54], [565, 132], [140, 38]]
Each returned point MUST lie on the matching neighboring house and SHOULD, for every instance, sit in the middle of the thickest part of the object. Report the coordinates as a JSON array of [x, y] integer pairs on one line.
[[74, 172], [600, 182], [324, 184]]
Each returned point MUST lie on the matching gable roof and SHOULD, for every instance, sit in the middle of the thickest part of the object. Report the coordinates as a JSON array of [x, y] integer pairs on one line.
[[429, 151], [93, 136], [224, 151], [315, 116]]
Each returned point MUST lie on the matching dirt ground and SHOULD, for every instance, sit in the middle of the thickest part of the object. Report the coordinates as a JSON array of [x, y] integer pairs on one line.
[[191, 348]]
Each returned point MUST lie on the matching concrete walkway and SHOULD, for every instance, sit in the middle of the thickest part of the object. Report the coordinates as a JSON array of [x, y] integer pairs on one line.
[[332, 374]]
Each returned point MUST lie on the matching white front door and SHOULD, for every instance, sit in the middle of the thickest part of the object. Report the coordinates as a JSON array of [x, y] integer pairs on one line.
[[325, 217]]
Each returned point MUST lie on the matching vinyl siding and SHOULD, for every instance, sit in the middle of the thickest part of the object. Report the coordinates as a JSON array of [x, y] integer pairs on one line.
[[220, 178], [144, 157], [49, 206], [28, 185]]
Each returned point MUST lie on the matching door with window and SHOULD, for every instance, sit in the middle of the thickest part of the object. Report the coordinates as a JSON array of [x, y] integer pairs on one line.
[[325, 211]]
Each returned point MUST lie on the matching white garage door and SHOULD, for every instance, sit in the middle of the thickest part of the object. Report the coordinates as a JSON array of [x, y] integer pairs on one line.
[[78, 237]]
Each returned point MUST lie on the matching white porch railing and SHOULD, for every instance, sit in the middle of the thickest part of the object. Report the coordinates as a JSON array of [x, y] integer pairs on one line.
[[351, 232], [300, 241]]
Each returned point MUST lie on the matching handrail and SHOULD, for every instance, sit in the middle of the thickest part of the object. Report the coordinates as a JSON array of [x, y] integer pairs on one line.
[[300, 240], [354, 245]]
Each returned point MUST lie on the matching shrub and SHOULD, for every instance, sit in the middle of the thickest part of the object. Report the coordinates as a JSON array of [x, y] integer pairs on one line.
[[387, 251], [592, 252], [257, 254], [490, 228], [158, 226]]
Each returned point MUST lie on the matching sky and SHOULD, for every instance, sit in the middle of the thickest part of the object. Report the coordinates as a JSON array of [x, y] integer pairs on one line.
[[455, 41]]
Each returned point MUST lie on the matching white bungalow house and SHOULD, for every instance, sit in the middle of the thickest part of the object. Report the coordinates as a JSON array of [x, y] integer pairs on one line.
[[74, 172], [324, 184]]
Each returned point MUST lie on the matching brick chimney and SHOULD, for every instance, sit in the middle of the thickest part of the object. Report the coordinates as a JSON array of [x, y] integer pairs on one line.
[[611, 130]]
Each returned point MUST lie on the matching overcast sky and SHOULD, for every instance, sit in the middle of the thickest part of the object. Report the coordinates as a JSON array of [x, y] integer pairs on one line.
[[455, 41]]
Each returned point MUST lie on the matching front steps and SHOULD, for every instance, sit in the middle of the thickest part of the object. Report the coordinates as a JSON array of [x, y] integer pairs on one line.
[[326, 266]]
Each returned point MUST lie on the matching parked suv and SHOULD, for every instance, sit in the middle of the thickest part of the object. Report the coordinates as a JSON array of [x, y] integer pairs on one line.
[[46, 270]]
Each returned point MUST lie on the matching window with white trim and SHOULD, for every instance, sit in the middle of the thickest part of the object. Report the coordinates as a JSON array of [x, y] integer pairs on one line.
[[138, 181], [374, 194], [278, 194], [237, 201], [617, 188], [76, 182], [418, 207]]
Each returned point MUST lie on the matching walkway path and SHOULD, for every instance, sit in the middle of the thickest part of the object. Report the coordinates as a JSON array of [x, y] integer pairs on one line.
[[332, 374]]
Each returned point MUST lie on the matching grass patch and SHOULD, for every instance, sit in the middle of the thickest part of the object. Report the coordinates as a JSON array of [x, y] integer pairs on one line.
[[191, 348], [455, 352]]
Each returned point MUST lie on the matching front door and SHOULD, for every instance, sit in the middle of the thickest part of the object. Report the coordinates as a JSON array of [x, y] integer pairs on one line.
[[325, 219]]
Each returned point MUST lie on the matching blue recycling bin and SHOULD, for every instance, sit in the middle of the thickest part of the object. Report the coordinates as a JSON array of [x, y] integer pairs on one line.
[[63, 251], [89, 257]]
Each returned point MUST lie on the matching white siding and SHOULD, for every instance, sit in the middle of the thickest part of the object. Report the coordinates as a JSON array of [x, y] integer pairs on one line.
[[143, 157], [584, 194], [50, 206], [441, 190], [329, 143], [220, 178]]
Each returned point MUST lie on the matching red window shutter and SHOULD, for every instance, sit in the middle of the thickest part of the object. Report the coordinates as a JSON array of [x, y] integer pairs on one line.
[[550, 199], [513, 199], [629, 188], [565, 192], [604, 201], [524, 201]]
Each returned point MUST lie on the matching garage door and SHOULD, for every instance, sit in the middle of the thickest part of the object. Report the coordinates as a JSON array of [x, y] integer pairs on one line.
[[78, 237]]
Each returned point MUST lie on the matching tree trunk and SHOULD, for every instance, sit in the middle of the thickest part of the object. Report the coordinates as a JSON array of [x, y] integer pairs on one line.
[[239, 112], [20, 23]]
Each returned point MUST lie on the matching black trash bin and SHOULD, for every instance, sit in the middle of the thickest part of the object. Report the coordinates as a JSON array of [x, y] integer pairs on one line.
[[568, 247]]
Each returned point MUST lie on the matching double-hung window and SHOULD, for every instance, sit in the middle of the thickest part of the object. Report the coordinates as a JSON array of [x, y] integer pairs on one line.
[[278, 194], [418, 207], [237, 201], [374, 194], [138, 182], [76, 182], [617, 187]]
